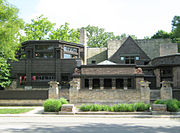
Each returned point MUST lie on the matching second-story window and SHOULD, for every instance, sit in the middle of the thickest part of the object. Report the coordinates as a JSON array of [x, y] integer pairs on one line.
[[44, 51], [70, 52], [129, 59]]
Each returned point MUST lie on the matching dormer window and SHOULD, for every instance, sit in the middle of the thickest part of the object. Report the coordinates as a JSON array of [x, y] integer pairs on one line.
[[122, 58], [129, 59]]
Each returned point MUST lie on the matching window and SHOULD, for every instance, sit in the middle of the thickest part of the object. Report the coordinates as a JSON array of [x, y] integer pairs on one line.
[[22, 79], [129, 60], [44, 47], [70, 49], [129, 85], [43, 54], [44, 51], [137, 57], [86, 83], [122, 58], [43, 77], [70, 56], [93, 62]]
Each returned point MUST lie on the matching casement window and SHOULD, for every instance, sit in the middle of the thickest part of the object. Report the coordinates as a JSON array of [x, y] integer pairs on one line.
[[70, 52], [70, 49], [70, 56], [43, 77], [129, 59], [44, 51]]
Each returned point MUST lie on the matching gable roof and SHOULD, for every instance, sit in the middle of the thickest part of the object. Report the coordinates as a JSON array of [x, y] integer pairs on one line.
[[129, 47]]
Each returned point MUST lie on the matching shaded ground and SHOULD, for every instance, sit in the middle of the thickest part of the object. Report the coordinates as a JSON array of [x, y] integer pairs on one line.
[[88, 125]]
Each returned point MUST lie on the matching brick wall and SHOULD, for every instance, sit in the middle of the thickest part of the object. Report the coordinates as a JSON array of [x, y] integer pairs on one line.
[[108, 70], [105, 96]]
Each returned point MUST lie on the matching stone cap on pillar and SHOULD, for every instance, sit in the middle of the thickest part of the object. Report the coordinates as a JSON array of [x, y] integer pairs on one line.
[[53, 83], [144, 84], [166, 84]]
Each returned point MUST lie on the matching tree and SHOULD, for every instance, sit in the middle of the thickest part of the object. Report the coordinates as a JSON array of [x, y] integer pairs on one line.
[[39, 29], [162, 34], [65, 33], [10, 26], [176, 29]]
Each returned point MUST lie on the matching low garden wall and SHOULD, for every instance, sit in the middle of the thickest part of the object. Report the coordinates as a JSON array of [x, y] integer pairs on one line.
[[23, 97], [64, 93], [105, 96]]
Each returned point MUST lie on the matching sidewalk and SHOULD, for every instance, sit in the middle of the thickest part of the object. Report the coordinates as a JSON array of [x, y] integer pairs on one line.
[[38, 112]]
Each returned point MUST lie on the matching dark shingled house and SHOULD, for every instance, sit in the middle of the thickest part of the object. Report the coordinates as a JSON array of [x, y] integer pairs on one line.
[[46, 60], [114, 67]]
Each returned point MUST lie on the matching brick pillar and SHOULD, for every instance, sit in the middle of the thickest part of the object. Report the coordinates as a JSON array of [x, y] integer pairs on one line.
[[101, 83], [90, 83], [138, 79], [166, 90], [145, 91], [125, 81], [53, 90], [113, 83], [158, 78], [74, 90]]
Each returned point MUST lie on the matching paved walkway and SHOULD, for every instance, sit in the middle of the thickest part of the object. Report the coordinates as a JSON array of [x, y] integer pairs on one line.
[[38, 112]]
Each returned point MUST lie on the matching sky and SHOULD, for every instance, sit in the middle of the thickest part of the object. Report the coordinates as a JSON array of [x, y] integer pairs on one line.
[[134, 17]]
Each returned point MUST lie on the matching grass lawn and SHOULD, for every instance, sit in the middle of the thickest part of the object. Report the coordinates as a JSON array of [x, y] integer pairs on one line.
[[15, 111]]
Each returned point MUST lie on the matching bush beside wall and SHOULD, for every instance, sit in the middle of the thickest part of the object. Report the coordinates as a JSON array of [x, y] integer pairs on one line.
[[54, 105], [173, 105]]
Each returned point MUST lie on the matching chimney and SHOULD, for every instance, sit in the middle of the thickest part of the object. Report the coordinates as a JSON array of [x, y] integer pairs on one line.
[[83, 40]]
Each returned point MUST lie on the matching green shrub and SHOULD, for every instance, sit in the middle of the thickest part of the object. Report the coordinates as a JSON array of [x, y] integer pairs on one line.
[[52, 105], [116, 107], [63, 101], [173, 105], [105, 108], [140, 106], [159, 101], [95, 107], [85, 107]]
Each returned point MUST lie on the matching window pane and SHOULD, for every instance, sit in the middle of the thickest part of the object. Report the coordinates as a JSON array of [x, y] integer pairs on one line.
[[71, 49], [122, 58], [44, 54], [137, 58], [66, 56], [44, 47]]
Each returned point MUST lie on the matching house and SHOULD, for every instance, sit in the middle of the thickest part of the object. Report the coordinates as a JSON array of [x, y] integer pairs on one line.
[[115, 70], [46, 60]]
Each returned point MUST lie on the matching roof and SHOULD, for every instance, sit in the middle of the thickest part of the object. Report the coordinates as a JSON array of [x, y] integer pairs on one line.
[[151, 46], [106, 62], [52, 41]]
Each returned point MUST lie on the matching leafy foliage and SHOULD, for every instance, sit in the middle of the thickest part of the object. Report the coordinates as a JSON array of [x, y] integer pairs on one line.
[[162, 34], [173, 105], [65, 33], [54, 105], [10, 26], [116, 107], [39, 29], [97, 37]]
